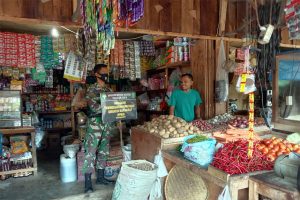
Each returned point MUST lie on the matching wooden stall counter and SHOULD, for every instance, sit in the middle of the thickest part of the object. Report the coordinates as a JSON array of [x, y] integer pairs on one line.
[[146, 145], [272, 186], [18, 131], [215, 179]]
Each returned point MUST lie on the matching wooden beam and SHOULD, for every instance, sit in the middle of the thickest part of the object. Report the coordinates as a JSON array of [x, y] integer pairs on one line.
[[173, 34], [73, 26], [39, 21], [289, 46], [222, 16]]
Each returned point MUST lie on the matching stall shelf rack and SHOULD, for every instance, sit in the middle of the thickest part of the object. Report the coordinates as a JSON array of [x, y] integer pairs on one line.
[[18, 131]]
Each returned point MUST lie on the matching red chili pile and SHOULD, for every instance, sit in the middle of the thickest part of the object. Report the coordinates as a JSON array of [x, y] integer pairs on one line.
[[232, 158]]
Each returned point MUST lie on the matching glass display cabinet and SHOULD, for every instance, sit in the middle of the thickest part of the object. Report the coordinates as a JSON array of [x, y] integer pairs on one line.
[[10, 109], [286, 92]]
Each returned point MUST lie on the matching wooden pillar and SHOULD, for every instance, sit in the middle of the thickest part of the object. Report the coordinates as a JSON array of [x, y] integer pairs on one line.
[[221, 107], [203, 69], [72, 110]]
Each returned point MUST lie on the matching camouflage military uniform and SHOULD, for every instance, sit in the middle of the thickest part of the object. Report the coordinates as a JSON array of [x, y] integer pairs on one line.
[[96, 142]]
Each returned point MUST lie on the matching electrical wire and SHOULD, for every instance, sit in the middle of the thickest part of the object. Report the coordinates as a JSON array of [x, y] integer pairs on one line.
[[135, 38], [270, 15], [69, 30], [256, 11], [266, 58]]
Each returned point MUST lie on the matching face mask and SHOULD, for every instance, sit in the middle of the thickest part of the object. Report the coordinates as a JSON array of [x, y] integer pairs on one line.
[[103, 77]]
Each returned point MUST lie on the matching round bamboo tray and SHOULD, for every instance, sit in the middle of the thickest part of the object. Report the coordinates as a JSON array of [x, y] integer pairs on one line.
[[181, 183]]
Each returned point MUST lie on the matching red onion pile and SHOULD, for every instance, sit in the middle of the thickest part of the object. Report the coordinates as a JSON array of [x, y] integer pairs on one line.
[[202, 125], [239, 122]]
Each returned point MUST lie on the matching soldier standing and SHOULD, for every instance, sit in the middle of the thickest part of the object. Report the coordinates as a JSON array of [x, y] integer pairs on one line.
[[96, 142]]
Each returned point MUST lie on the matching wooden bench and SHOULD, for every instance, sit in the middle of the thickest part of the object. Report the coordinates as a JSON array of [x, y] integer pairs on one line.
[[272, 186]]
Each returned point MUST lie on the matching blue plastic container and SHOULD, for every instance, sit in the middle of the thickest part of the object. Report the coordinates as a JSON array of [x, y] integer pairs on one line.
[[68, 169]]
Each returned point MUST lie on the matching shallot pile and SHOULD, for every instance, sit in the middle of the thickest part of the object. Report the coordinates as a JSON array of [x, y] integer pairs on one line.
[[232, 158], [202, 125]]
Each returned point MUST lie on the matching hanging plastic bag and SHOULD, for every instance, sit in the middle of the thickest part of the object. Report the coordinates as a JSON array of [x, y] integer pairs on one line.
[[156, 191], [39, 136], [126, 152], [225, 195], [221, 88], [79, 101], [249, 84], [162, 170]]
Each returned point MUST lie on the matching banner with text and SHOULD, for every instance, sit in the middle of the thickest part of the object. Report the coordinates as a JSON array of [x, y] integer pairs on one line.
[[117, 106]]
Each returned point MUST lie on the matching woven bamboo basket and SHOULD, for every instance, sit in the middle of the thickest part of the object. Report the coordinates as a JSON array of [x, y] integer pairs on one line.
[[181, 183]]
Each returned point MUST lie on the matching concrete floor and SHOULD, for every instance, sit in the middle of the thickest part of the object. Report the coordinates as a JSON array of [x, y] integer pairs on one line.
[[47, 185]]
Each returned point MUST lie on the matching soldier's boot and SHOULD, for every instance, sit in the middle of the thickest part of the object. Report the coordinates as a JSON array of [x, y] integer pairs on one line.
[[100, 177], [88, 182]]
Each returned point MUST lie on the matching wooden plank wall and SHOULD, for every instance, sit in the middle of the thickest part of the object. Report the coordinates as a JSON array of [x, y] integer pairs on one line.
[[204, 64], [179, 16], [285, 38], [190, 16], [53, 10], [203, 69]]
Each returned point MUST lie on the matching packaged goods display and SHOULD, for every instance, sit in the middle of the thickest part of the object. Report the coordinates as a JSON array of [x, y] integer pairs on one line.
[[17, 50]]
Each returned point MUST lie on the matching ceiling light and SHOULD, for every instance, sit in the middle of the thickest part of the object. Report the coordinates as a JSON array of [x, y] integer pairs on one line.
[[54, 32]]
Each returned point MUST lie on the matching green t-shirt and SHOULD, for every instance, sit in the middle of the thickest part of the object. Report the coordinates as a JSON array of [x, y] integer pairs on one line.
[[184, 103]]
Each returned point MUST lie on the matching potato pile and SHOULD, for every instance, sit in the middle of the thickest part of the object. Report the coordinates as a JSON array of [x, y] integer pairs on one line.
[[169, 126]]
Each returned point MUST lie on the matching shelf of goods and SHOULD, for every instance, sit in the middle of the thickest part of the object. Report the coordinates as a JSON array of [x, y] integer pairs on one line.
[[59, 129], [166, 69], [214, 179], [171, 66], [18, 131], [152, 91], [54, 112], [43, 93]]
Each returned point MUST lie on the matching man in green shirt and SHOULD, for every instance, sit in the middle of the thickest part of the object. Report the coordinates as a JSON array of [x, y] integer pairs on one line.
[[185, 102]]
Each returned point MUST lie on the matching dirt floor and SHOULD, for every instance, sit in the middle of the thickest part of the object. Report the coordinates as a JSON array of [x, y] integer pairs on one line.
[[47, 185]]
